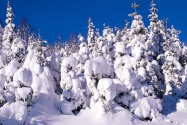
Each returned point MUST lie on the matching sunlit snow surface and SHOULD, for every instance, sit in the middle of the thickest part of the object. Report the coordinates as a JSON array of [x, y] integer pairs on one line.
[[44, 113]]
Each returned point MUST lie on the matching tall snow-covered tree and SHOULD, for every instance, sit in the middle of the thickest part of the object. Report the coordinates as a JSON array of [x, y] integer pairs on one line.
[[2, 79], [72, 97], [140, 72], [40, 52], [173, 68], [155, 36], [9, 31], [108, 43], [91, 39], [91, 32]]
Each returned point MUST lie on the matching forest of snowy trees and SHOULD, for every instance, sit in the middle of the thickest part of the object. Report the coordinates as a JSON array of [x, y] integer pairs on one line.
[[137, 68]]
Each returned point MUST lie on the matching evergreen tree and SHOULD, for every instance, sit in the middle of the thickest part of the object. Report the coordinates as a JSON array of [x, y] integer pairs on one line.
[[40, 52], [108, 43], [9, 33], [140, 72], [174, 73], [2, 79], [91, 39], [72, 97]]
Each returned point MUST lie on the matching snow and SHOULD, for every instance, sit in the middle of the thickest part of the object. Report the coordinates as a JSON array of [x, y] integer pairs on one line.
[[141, 74], [120, 47], [54, 117], [2, 81], [66, 107], [134, 76], [14, 113], [69, 61], [98, 66], [181, 105], [12, 67], [23, 76], [176, 63], [107, 88], [147, 107], [24, 93]]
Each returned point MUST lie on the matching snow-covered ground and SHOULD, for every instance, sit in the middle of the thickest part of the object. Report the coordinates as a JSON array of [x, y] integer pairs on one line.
[[50, 116], [44, 113]]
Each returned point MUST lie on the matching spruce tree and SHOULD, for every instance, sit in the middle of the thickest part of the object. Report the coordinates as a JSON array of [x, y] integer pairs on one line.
[[140, 72], [9, 33], [91, 39]]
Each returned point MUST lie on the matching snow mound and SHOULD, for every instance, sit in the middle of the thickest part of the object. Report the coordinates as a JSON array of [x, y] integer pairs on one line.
[[14, 113], [182, 105]]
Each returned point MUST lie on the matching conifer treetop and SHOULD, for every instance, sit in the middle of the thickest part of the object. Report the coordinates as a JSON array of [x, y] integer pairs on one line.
[[9, 14], [135, 6], [90, 23], [153, 16]]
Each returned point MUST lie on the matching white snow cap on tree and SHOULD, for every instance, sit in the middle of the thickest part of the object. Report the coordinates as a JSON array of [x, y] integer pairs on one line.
[[69, 62], [106, 89]]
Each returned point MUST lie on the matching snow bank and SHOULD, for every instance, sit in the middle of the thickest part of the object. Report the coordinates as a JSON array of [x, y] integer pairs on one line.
[[15, 113]]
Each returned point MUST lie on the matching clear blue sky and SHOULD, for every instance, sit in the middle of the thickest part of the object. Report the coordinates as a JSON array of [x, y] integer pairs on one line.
[[62, 17]]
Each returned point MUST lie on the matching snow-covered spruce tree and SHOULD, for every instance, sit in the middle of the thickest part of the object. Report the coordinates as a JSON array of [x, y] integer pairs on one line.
[[66, 51], [82, 55], [176, 44], [174, 73], [54, 55], [120, 47], [84, 50], [164, 38], [91, 39], [155, 36], [9, 33], [12, 84], [40, 52], [158, 32], [80, 38], [108, 36], [140, 73], [126, 28], [2, 78], [73, 44], [154, 48], [125, 34], [14, 53], [72, 98], [54, 64], [106, 42], [40, 79], [95, 70], [106, 91]]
